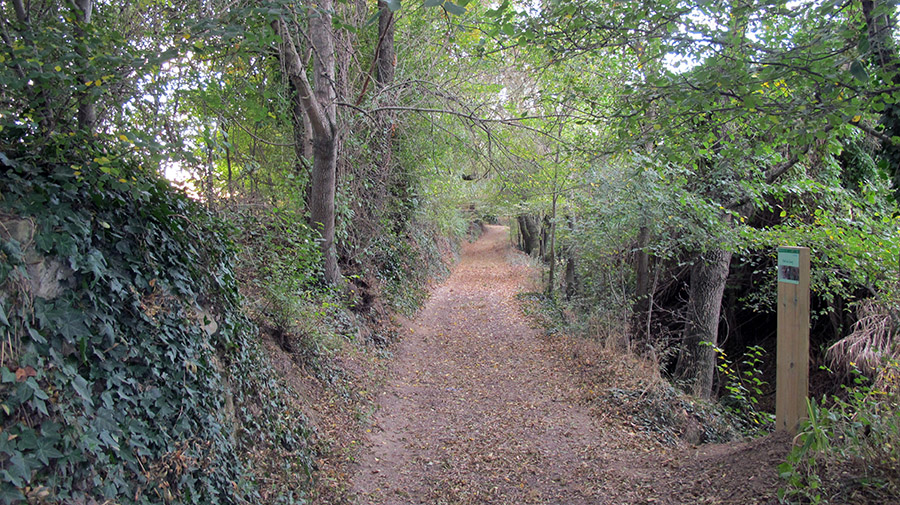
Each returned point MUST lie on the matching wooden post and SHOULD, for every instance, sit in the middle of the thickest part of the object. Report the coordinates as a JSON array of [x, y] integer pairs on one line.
[[792, 376]]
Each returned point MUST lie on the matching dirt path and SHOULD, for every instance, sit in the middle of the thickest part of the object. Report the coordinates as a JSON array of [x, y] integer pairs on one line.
[[481, 408]]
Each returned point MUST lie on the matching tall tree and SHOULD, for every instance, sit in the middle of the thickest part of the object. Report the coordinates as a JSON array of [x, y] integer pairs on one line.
[[318, 103]]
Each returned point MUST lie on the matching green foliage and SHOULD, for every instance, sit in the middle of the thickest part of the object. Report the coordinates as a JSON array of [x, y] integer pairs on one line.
[[800, 470], [441, 208], [52, 63], [857, 435], [858, 169], [405, 264], [139, 381], [851, 232], [743, 385], [280, 250]]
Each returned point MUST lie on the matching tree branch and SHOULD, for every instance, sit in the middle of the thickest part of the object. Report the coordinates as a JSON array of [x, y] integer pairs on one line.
[[778, 170], [9, 44], [381, 36], [21, 13], [516, 122], [467, 115], [297, 75], [871, 131], [772, 175]]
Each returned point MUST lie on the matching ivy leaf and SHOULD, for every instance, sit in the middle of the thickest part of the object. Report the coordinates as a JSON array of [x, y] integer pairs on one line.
[[8, 492], [68, 322], [17, 470], [110, 440], [83, 389], [393, 5], [45, 451], [28, 439], [433, 3], [36, 336], [40, 405], [6, 375], [96, 263], [35, 387], [50, 430], [3, 320]]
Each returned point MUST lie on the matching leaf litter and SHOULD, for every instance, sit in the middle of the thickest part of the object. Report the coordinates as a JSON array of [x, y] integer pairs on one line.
[[480, 407]]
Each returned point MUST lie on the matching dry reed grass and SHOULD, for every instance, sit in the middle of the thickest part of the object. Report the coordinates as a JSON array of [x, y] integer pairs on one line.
[[872, 343]]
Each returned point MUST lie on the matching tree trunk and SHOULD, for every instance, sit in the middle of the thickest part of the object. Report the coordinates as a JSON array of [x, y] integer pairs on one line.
[[384, 77], [303, 147], [523, 234], [880, 29], [571, 286], [520, 241], [697, 357], [531, 233], [385, 57], [571, 279], [552, 252], [321, 205], [322, 184], [228, 162], [210, 175], [641, 308], [880, 32], [342, 56], [319, 106], [545, 239], [87, 110], [642, 287], [302, 131]]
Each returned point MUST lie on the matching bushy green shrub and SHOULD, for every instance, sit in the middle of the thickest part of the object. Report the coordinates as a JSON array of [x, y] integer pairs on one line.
[[405, 263], [280, 267]]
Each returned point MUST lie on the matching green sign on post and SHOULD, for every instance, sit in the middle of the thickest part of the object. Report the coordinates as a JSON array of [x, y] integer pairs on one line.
[[789, 265], [792, 376]]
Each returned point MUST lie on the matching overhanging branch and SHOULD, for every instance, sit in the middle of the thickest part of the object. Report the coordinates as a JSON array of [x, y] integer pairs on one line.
[[297, 75]]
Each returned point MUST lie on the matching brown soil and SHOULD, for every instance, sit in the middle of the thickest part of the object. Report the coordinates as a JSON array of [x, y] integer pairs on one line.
[[480, 407]]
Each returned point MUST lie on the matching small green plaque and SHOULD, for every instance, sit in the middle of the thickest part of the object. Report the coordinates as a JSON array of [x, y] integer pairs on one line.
[[789, 265]]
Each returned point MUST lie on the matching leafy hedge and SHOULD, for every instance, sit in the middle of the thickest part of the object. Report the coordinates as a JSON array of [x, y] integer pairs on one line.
[[121, 387]]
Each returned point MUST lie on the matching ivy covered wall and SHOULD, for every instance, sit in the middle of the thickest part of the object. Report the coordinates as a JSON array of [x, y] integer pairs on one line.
[[128, 370]]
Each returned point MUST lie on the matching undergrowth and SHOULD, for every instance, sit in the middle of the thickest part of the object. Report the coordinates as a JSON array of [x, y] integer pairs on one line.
[[848, 448], [406, 263], [652, 403], [743, 385]]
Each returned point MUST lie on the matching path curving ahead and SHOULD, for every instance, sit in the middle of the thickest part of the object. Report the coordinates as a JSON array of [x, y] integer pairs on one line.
[[478, 408]]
